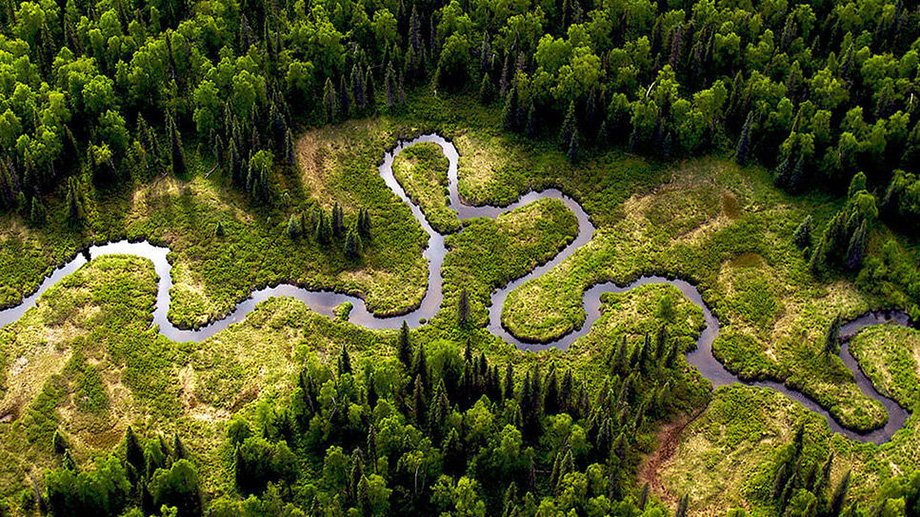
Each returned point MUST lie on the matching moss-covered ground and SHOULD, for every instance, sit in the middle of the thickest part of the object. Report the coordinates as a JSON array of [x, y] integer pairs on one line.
[[422, 172], [86, 363]]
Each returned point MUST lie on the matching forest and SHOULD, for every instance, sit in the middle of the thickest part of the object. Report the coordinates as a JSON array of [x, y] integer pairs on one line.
[[767, 150]]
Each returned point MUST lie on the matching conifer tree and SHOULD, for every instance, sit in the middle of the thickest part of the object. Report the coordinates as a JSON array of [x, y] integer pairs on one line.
[[418, 402], [177, 152], [353, 247], [404, 346], [134, 454], [486, 90], [572, 154], [802, 235], [344, 362], [37, 215], [390, 80], [856, 247], [531, 121], [293, 227], [569, 128], [420, 365], [744, 142], [330, 101], [510, 111], [463, 308]]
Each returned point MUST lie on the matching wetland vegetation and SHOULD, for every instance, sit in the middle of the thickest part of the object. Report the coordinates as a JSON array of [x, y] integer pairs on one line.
[[765, 151]]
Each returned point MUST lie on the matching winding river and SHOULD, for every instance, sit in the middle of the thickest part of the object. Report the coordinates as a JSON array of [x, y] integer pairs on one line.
[[325, 301]]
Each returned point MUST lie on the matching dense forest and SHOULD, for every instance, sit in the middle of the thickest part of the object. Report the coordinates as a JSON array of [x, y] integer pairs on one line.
[[823, 94]]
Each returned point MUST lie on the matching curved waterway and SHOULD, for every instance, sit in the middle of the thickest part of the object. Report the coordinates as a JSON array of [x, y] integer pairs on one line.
[[324, 302]]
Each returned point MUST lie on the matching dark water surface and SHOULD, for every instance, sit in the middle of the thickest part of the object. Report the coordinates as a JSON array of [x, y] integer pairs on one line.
[[325, 301]]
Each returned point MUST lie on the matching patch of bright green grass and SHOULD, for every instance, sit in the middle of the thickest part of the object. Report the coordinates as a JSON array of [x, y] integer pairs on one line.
[[422, 172]]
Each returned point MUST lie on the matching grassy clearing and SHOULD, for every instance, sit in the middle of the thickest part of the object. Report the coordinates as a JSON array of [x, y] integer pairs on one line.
[[489, 253], [729, 231], [890, 356], [106, 369], [422, 172], [727, 458], [211, 273]]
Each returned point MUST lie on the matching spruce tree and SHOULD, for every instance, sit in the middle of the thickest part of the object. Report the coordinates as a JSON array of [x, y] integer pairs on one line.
[[510, 111], [569, 128], [857, 247], [293, 227], [390, 80], [419, 408], [344, 362], [744, 142], [37, 215], [134, 454], [486, 90], [802, 235], [572, 154], [177, 152], [330, 101], [404, 346], [463, 308], [353, 247]]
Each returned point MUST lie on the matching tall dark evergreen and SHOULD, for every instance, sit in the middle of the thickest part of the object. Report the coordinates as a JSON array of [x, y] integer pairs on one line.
[[743, 149], [404, 346]]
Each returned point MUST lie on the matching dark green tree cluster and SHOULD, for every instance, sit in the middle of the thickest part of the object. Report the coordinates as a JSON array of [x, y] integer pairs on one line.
[[145, 475], [802, 486], [843, 243], [437, 430], [326, 229]]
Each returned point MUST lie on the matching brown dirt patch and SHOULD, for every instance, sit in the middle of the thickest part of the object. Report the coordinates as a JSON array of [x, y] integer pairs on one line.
[[668, 443]]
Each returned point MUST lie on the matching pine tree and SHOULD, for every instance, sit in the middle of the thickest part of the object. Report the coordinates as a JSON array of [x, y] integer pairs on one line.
[[37, 215], [572, 154], [420, 365], [390, 80], [509, 381], [486, 90], [363, 499], [364, 223], [510, 110], [338, 220], [134, 454], [404, 346], [531, 121], [463, 308], [744, 142], [330, 101], [551, 398], [344, 98], [857, 247], [371, 92], [682, 506], [358, 88], [74, 204], [353, 247], [219, 230], [293, 227], [418, 402], [58, 442], [569, 128], [177, 152], [802, 235], [344, 362]]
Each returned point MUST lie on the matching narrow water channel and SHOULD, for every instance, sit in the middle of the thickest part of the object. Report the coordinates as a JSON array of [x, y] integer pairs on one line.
[[325, 301]]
